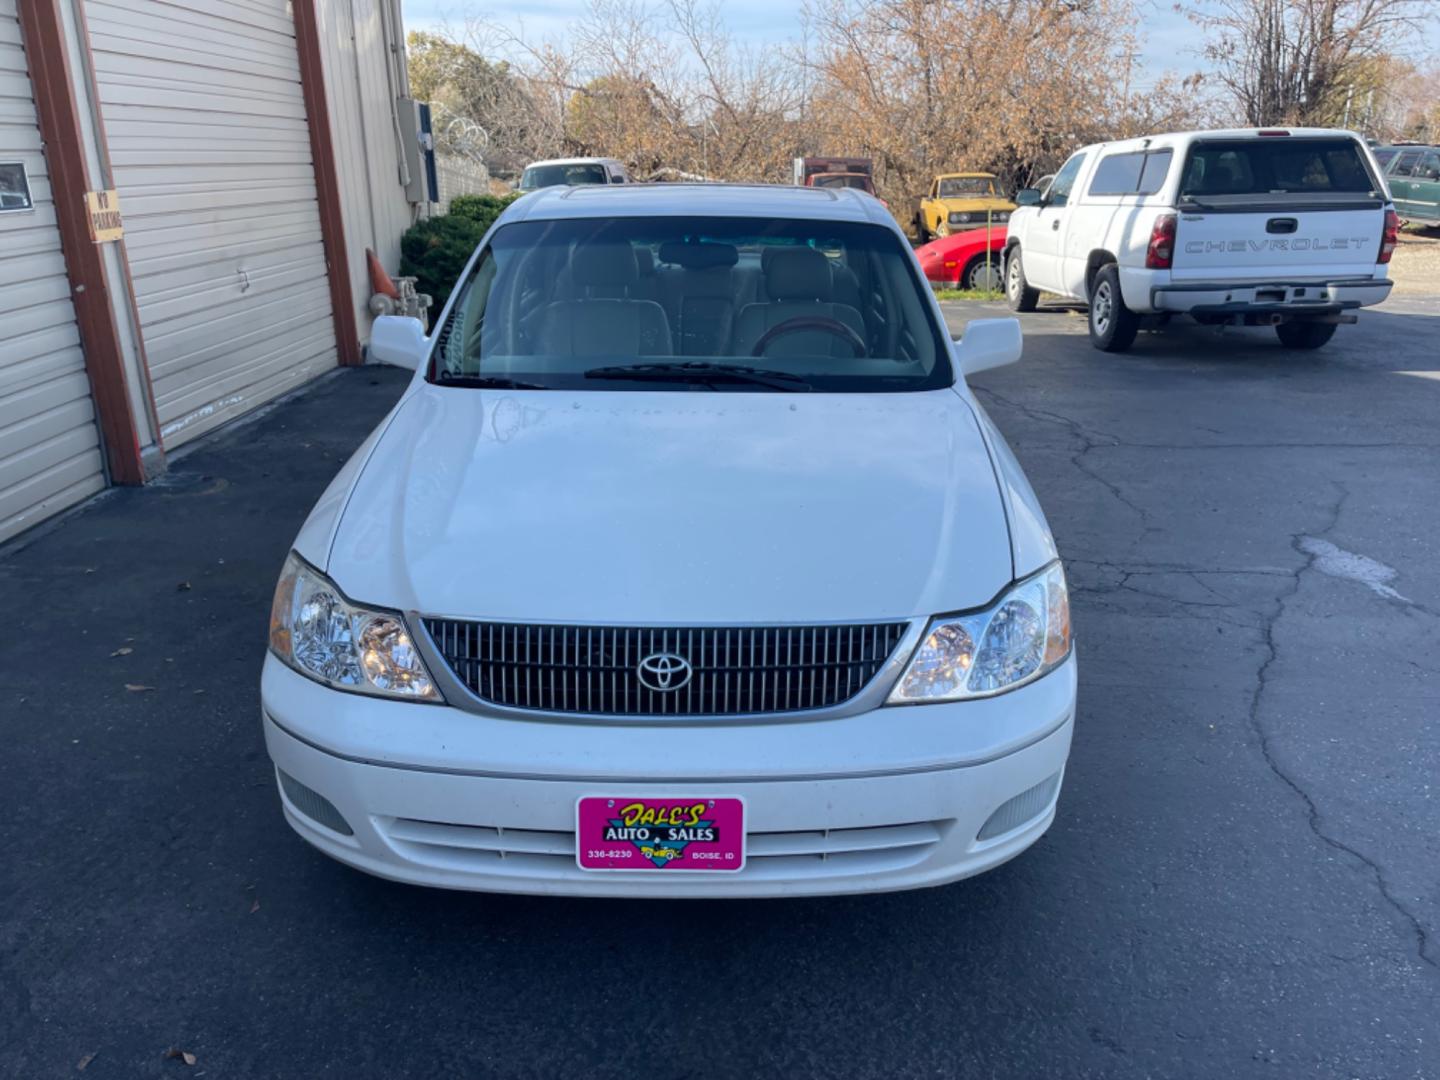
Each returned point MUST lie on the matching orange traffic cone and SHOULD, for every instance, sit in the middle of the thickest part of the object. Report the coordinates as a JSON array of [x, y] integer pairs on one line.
[[379, 280]]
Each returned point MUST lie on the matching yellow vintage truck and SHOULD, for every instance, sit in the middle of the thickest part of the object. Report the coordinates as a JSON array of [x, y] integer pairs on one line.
[[959, 201]]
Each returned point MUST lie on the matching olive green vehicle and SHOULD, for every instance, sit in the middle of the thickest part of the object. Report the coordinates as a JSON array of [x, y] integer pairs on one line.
[[960, 201], [1413, 173]]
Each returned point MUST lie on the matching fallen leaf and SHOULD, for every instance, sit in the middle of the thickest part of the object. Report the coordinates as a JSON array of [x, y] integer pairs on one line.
[[184, 586], [182, 1055], [199, 691], [80, 1065], [254, 907], [124, 650], [137, 688]]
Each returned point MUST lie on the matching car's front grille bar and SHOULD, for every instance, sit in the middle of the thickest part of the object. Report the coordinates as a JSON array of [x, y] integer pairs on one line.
[[596, 670]]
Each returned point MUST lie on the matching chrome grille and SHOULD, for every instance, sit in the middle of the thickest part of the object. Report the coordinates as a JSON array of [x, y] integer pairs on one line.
[[735, 670]]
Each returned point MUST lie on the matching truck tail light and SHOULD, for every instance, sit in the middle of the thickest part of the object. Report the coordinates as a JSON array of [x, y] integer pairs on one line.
[[1389, 236], [1161, 252], [1271, 132]]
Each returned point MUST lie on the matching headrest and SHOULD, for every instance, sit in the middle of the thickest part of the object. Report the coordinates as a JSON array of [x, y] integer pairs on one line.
[[644, 260], [698, 255], [798, 273], [604, 263]]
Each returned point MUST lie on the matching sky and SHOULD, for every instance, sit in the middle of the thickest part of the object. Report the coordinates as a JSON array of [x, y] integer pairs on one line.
[[1169, 36], [1170, 40]]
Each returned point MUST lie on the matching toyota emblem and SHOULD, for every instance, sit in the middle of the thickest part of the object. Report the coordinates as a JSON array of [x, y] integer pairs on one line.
[[663, 671]]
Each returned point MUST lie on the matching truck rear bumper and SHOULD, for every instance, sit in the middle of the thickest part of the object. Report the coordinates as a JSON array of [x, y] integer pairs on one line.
[[1270, 297]]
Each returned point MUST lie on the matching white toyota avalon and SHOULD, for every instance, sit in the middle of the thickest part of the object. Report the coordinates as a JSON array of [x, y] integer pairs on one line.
[[687, 565]]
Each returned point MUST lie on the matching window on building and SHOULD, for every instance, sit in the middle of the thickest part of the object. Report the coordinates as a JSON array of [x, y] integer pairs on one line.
[[14, 187]]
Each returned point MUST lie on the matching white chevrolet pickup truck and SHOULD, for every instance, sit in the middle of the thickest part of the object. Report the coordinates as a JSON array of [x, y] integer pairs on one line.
[[1286, 228]]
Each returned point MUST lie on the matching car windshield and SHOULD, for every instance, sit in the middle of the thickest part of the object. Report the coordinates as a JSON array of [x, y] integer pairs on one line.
[[959, 187], [698, 303], [539, 176], [1276, 165]]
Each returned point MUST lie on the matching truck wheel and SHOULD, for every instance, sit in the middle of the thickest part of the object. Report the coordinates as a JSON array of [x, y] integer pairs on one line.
[[982, 274], [1304, 335], [1113, 326], [1018, 293], [920, 233]]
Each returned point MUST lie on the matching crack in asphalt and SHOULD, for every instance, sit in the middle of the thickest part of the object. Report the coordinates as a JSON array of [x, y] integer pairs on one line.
[[1302, 543], [1088, 442], [1180, 568], [1088, 435], [1422, 939], [1211, 610]]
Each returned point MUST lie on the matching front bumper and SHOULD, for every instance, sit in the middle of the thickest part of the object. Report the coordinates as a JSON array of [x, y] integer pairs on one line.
[[892, 799]]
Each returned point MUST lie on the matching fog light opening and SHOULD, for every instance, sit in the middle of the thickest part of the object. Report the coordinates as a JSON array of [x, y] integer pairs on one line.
[[1021, 810], [311, 804]]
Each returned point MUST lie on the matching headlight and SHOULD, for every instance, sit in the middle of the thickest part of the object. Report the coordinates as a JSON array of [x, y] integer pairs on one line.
[[319, 633], [959, 218], [1016, 640], [1002, 216]]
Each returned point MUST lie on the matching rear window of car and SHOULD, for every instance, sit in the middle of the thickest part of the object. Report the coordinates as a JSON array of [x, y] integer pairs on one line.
[[1408, 160], [1275, 166], [539, 176], [1384, 154], [960, 187], [842, 180], [1138, 172], [560, 304]]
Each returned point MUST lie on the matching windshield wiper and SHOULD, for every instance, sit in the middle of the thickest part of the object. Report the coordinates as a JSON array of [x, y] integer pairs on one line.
[[488, 382], [697, 371]]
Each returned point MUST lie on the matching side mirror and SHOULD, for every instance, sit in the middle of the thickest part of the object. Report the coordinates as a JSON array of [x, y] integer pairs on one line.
[[988, 343], [1027, 196], [399, 340]]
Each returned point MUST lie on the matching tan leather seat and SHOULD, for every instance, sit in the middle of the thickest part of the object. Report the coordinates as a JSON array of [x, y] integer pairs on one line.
[[799, 282], [602, 319]]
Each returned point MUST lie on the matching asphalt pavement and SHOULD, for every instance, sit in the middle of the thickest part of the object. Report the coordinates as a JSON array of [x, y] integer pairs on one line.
[[1243, 880]]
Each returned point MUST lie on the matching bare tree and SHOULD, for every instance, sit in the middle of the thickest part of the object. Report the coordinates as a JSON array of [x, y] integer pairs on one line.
[[929, 86], [921, 86], [1298, 61]]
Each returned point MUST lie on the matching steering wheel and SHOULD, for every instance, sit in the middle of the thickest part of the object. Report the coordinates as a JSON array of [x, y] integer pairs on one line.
[[812, 322]]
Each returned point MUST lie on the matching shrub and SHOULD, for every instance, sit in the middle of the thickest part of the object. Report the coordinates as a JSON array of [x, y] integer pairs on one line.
[[435, 250], [481, 209]]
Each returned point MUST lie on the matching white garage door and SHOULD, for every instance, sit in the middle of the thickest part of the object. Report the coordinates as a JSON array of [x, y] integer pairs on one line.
[[208, 140], [49, 445]]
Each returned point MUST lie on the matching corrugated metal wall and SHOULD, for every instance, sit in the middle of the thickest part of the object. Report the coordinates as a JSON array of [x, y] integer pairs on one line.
[[49, 446], [361, 85], [206, 126]]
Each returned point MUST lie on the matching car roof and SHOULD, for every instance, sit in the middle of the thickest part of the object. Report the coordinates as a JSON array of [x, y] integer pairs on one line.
[[1173, 139], [575, 161], [699, 200]]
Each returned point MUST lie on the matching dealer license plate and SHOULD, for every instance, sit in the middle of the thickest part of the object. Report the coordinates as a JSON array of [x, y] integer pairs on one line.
[[641, 833]]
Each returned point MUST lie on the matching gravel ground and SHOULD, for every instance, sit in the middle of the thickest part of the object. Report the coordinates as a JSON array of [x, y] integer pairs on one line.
[[1415, 269]]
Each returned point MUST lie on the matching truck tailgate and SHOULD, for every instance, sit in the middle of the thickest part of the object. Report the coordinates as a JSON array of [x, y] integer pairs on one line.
[[1278, 245]]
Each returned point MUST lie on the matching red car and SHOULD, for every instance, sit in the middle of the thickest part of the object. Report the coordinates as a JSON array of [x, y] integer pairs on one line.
[[964, 260]]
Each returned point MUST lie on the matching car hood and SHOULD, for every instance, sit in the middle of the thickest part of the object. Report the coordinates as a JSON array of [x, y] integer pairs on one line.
[[963, 240], [675, 507]]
